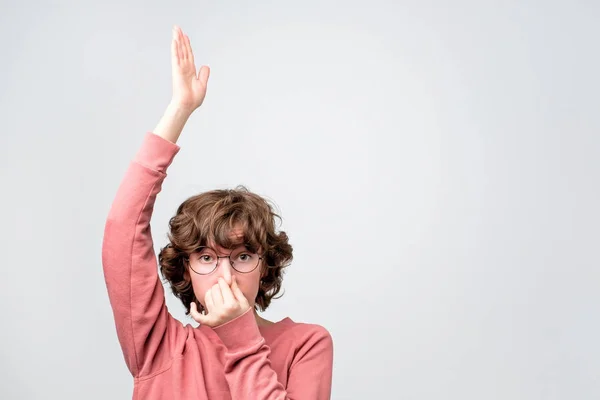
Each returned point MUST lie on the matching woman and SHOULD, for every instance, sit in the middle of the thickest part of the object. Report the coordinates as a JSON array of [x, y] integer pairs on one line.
[[224, 261]]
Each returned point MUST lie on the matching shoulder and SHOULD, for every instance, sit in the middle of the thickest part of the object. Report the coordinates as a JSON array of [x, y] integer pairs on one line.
[[312, 345], [309, 335]]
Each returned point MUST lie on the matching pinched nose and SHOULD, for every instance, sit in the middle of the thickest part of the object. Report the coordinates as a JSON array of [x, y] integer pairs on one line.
[[224, 270]]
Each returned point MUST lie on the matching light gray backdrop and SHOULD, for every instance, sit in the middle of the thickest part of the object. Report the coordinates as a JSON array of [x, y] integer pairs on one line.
[[435, 163]]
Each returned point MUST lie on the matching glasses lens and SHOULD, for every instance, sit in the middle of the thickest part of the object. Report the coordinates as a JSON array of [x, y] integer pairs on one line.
[[244, 260], [205, 260]]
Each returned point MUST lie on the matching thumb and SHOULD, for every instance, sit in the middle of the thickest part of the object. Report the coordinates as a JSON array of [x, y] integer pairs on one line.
[[203, 74]]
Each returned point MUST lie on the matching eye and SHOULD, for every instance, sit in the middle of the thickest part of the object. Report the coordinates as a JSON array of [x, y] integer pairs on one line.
[[205, 258]]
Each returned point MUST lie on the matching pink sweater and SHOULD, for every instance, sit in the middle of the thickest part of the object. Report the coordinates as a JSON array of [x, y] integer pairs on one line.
[[237, 360]]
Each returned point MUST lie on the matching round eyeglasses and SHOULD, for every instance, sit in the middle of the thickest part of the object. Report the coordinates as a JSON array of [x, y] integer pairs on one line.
[[205, 260]]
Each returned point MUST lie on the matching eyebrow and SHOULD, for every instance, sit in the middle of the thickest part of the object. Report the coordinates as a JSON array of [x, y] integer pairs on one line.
[[235, 247]]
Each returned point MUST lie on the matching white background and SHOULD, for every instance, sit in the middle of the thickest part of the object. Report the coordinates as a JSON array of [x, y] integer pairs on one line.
[[435, 164]]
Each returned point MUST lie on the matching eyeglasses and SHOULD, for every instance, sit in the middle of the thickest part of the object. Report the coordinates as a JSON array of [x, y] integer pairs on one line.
[[205, 259]]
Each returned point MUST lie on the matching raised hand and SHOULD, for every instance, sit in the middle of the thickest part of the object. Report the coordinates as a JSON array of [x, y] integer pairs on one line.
[[189, 87], [222, 303]]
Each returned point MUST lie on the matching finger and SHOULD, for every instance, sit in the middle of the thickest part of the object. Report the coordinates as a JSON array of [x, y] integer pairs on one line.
[[228, 297], [238, 292], [180, 46], [217, 296], [188, 49], [196, 314], [178, 43], [174, 53], [208, 301]]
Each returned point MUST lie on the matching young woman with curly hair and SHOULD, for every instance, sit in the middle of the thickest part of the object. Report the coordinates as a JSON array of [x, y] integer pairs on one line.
[[224, 261]]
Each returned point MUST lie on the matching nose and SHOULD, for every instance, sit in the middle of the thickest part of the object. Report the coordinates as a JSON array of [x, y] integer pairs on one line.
[[224, 269]]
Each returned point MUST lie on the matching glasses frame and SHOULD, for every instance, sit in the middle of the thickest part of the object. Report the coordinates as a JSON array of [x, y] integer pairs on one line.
[[187, 258]]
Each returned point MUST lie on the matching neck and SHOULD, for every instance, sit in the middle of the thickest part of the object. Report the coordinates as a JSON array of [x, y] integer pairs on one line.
[[261, 321]]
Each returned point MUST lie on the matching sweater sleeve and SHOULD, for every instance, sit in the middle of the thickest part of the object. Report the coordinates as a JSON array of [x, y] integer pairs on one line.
[[248, 368], [129, 263]]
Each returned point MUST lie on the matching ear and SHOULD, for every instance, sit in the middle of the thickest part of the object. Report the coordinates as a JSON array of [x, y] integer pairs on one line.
[[186, 272]]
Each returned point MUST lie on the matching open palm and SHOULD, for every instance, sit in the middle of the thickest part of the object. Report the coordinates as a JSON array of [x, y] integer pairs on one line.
[[189, 88]]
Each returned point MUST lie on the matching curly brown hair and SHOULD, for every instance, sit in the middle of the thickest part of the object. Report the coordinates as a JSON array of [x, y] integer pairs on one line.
[[208, 218]]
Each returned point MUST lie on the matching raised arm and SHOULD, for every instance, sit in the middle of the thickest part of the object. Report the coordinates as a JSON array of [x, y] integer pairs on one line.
[[129, 262], [128, 258]]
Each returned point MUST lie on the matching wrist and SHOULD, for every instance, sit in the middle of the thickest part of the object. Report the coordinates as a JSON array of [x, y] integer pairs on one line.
[[172, 122], [179, 110]]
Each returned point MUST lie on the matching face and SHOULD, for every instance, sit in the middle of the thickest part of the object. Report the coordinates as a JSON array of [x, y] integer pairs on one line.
[[248, 282]]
